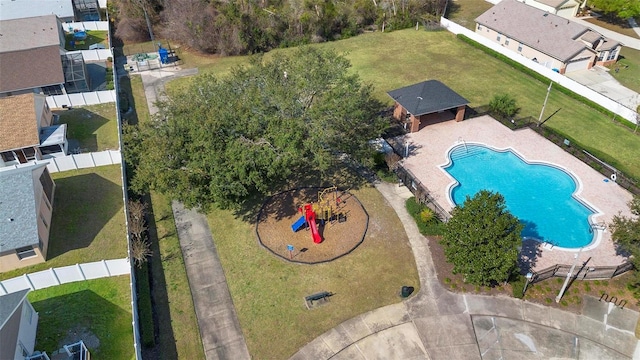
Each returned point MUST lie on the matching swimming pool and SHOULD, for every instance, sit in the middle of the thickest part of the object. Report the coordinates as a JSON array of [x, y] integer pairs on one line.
[[540, 195]]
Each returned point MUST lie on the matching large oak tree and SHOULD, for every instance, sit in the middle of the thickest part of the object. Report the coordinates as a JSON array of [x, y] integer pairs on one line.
[[626, 236], [223, 140], [482, 238]]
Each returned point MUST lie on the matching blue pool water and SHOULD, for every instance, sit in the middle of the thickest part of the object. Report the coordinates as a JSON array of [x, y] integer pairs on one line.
[[539, 195]]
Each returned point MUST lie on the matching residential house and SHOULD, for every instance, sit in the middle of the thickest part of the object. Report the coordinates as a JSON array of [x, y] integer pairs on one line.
[[426, 103], [18, 9], [33, 58], [545, 38], [18, 325], [26, 203], [564, 8], [27, 131]]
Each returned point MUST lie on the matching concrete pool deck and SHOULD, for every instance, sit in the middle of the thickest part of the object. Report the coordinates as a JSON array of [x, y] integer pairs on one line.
[[428, 150]]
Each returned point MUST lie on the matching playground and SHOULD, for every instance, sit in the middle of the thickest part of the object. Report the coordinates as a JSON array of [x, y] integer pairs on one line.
[[312, 225]]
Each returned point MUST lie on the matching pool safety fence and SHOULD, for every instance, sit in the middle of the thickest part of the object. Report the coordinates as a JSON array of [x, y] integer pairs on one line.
[[421, 192], [583, 272], [609, 172]]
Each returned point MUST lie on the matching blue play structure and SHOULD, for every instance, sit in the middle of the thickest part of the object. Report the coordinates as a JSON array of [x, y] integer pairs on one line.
[[299, 224], [164, 55]]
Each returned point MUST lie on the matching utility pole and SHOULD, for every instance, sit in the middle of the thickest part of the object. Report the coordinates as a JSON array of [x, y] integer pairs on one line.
[[569, 274], [545, 103], [146, 17]]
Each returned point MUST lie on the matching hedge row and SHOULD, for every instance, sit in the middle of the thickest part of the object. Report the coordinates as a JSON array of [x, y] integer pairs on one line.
[[542, 78]]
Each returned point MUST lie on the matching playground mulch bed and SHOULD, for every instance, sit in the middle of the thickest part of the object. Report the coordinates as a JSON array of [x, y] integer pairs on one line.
[[339, 238]]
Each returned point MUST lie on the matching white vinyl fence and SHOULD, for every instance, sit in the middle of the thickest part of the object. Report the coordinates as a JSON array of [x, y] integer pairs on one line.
[[80, 99], [83, 161], [95, 55], [570, 84], [86, 25], [66, 274]]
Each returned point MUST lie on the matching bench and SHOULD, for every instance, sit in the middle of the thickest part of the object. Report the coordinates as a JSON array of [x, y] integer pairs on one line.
[[318, 296]]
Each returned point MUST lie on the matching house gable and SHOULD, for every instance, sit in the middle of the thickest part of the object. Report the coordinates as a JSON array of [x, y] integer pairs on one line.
[[19, 206]]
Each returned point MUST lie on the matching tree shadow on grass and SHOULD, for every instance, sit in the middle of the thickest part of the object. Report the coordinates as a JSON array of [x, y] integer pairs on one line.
[[164, 336], [343, 174], [82, 315], [82, 125], [82, 206]]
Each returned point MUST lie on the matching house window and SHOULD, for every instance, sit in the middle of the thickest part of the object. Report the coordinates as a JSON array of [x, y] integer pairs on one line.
[[8, 156], [506, 41], [498, 37], [612, 55], [601, 56], [25, 252], [479, 27], [40, 244], [44, 221], [25, 353], [29, 153], [519, 47], [47, 185]]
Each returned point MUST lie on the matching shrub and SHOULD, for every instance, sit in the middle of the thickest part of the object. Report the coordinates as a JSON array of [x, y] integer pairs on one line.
[[504, 105], [548, 300], [426, 215], [431, 227], [517, 286], [145, 312]]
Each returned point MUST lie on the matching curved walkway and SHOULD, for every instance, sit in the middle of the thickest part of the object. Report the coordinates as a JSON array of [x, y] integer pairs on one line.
[[437, 324]]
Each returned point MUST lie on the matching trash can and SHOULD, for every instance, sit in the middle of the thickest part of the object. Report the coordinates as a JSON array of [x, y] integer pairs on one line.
[[406, 291]]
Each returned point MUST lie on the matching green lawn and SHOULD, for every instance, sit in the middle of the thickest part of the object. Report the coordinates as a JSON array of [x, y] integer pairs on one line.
[[629, 68], [400, 58], [268, 293], [178, 333], [100, 308], [465, 12], [94, 126], [93, 37], [88, 219], [617, 25]]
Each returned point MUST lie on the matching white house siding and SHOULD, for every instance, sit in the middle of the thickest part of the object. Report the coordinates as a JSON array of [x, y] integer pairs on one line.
[[540, 6], [28, 327], [568, 10]]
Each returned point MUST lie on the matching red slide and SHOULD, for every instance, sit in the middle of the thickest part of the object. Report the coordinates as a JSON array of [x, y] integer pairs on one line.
[[310, 215]]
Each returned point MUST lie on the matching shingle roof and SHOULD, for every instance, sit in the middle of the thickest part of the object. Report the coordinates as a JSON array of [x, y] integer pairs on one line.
[[17, 9], [538, 29], [19, 71], [9, 303], [30, 33], [30, 53], [18, 208], [18, 122], [427, 97]]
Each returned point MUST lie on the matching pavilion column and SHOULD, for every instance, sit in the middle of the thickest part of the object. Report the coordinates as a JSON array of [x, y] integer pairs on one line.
[[460, 113], [415, 123]]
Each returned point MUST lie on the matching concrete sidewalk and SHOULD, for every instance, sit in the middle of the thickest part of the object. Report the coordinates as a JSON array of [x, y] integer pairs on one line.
[[218, 323], [437, 324], [220, 330]]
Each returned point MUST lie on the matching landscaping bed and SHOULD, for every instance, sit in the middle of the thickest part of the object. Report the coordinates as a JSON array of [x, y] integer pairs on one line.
[[543, 292]]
